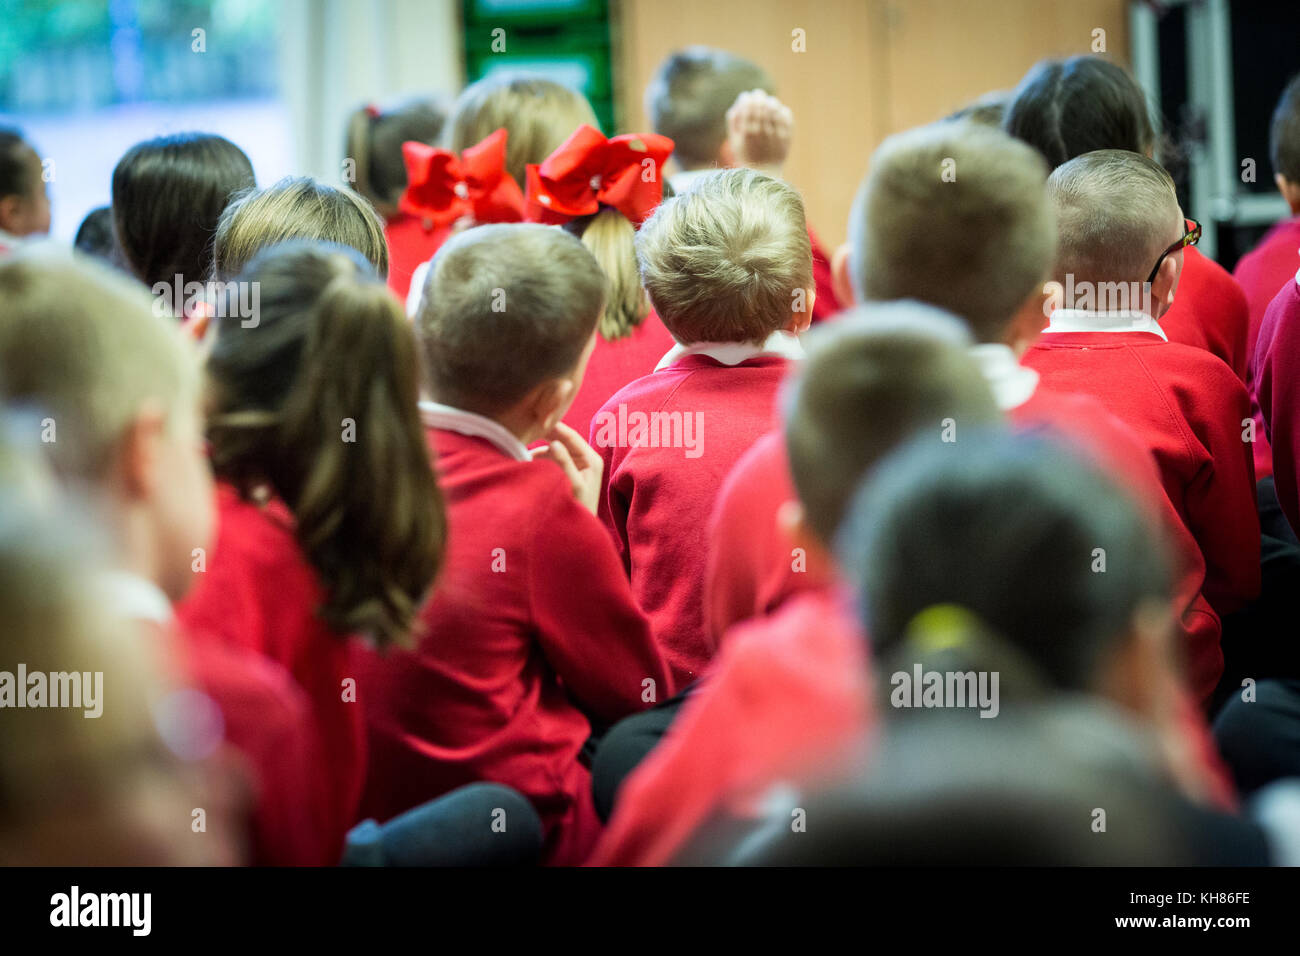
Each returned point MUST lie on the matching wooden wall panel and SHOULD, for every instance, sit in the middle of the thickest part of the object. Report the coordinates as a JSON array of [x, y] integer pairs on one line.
[[871, 67]]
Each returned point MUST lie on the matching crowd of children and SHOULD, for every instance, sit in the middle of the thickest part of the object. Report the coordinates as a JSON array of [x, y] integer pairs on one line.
[[541, 496]]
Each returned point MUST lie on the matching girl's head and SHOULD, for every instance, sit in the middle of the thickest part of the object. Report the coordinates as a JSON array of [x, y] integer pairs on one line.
[[611, 238], [317, 403], [24, 204], [1006, 554], [168, 194], [538, 114], [1064, 108], [297, 208], [374, 144]]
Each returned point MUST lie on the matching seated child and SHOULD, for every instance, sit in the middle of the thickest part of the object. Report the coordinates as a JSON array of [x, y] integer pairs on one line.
[[727, 267], [1120, 227], [114, 390], [90, 776], [168, 195], [786, 690], [329, 522], [534, 115], [532, 634], [964, 560], [296, 208], [718, 110], [1064, 108], [602, 190], [1275, 261], [373, 147], [24, 203]]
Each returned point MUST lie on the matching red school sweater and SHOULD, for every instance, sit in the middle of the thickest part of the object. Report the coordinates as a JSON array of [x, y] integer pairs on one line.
[[657, 500], [530, 631], [826, 304], [615, 363], [781, 699], [1187, 408], [752, 564], [1209, 311], [411, 241], [259, 592], [267, 719], [1276, 372], [1262, 273]]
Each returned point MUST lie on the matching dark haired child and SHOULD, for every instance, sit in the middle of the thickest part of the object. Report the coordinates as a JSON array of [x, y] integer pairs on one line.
[[532, 635]]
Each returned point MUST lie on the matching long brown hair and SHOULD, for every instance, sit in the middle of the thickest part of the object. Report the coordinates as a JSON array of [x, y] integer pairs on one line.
[[373, 142], [319, 399]]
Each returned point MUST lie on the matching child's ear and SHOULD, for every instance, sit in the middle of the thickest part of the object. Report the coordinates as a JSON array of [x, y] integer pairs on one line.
[[142, 452], [1028, 322], [793, 522], [1290, 191], [726, 155], [1165, 282], [801, 320], [10, 213], [841, 281]]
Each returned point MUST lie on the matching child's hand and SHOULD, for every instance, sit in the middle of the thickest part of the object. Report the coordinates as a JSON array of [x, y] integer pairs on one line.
[[582, 466], [759, 128]]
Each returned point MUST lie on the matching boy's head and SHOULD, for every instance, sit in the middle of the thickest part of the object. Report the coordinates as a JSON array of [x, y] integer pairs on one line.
[[688, 98], [955, 214], [729, 259], [537, 114], [297, 208], [1064, 108], [508, 321], [115, 394], [95, 235], [24, 204], [871, 379], [168, 194], [1284, 144], [1116, 212]]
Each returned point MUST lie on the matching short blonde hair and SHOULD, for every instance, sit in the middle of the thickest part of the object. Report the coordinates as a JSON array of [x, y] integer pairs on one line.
[[296, 208], [82, 345], [537, 114], [728, 259], [954, 214], [1116, 211]]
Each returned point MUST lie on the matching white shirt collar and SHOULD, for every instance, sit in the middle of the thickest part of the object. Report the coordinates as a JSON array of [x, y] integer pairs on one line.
[[435, 415], [136, 598], [1012, 383], [415, 294], [1084, 320], [782, 343]]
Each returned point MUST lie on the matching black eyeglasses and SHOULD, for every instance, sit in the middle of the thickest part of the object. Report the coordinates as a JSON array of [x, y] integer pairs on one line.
[[1190, 238]]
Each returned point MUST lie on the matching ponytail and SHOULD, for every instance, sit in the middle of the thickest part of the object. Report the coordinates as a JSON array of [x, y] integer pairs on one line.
[[356, 147], [374, 141], [319, 401], [610, 237]]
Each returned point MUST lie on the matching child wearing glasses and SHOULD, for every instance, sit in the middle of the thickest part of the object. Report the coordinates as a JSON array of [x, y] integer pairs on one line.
[[1118, 224]]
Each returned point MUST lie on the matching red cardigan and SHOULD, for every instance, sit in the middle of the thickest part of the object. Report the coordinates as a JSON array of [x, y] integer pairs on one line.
[[781, 699], [1187, 408], [657, 500], [531, 633], [614, 364], [260, 593]]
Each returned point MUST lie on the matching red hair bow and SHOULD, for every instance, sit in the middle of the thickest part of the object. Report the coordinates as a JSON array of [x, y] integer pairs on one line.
[[442, 188], [589, 171]]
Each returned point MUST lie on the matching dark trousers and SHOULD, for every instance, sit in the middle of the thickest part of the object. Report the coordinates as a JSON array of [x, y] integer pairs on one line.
[[625, 745], [482, 824]]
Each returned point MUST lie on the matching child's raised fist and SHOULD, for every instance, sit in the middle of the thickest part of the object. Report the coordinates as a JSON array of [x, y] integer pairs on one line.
[[759, 128]]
